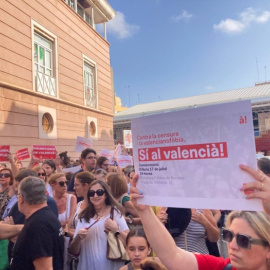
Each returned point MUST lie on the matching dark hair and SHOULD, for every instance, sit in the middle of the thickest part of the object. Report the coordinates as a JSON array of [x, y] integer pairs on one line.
[[90, 211], [50, 163], [152, 264], [137, 231], [101, 160], [11, 174], [264, 165], [66, 159], [24, 173], [86, 151], [85, 177]]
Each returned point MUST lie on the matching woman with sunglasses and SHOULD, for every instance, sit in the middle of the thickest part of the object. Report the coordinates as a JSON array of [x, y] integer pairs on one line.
[[66, 204], [42, 175], [247, 235], [6, 192], [90, 240]]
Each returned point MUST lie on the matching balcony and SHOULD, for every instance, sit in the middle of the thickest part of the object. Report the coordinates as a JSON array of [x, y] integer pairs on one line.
[[45, 84]]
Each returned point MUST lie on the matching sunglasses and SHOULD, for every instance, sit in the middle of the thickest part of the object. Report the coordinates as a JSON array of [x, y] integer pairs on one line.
[[62, 183], [99, 193], [41, 174], [242, 240], [6, 175]]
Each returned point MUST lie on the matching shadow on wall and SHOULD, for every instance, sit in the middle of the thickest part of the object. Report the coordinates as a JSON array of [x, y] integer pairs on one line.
[[19, 128]]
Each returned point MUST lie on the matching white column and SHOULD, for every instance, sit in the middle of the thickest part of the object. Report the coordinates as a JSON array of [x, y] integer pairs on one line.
[[105, 30], [93, 18]]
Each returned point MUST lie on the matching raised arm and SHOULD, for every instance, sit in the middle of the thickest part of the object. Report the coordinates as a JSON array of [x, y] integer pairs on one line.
[[159, 238]]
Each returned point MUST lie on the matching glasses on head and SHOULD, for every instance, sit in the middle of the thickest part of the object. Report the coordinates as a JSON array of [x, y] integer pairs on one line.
[[242, 240], [62, 183], [99, 193], [41, 174], [5, 175]]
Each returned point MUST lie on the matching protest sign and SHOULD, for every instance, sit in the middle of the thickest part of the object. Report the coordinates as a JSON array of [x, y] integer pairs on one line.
[[127, 138], [82, 143], [22, 154], [44, 152], [123, 161], [72, 169], [4, 149], [190, 158], [108, 154]]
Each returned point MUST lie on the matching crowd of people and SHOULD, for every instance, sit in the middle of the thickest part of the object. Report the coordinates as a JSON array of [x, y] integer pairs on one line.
[[56, 220]]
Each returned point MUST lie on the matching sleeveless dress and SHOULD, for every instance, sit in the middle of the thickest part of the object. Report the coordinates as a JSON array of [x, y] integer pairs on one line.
[[62, 217]]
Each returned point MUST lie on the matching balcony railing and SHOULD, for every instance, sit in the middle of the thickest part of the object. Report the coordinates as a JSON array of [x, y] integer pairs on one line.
[[45, 84]]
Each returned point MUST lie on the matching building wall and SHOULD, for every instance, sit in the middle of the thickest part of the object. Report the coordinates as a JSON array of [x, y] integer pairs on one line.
[[263, 141], [19, 126]]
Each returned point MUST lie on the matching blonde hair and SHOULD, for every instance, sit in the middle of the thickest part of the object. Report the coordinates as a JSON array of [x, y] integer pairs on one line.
[[258, 221], [54, 177], [37, 168]]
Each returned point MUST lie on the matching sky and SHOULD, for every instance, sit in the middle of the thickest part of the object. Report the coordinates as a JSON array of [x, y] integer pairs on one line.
[[167, 49]]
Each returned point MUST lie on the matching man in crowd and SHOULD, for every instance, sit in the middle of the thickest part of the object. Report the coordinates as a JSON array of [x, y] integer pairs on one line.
[[88, 160], [103, 163], [14, 212], [40, 243]]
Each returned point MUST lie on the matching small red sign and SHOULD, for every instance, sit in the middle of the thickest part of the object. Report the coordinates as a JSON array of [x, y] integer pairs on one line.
[[22, 154], [4, 149], [44, 152]]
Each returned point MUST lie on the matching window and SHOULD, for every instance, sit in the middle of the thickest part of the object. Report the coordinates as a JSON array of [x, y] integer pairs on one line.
[[80, 10], [44, 60], [47, 124], [92, 128], [90, 93], [88, 18], [71, 4], [83, 8]]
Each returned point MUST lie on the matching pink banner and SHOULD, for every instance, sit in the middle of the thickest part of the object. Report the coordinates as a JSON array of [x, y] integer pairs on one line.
[[44, 152], [4, 149], [22, 154]]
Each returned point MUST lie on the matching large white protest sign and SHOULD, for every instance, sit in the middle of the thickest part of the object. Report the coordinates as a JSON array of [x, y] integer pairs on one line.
[[190, 158], [82, 143]]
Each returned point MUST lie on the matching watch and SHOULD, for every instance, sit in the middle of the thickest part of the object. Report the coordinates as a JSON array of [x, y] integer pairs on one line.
[[130, 220], [117, 232]]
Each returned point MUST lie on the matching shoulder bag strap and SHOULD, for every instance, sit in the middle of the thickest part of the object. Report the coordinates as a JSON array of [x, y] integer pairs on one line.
[[112, 213]]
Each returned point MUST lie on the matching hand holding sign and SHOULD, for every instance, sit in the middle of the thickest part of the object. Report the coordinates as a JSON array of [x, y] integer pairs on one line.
[[261, 185], [136, 194]]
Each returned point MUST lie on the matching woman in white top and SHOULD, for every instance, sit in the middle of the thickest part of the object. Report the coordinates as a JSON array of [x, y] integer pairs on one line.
[[81, 186], [66, 204], [91, 244]]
